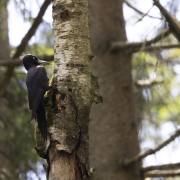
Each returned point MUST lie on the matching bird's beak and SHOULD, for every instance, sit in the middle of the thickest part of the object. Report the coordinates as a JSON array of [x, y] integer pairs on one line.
[[42, 62]]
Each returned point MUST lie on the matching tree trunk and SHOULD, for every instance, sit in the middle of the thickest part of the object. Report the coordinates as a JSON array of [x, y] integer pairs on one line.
[[4, 38], [7, 169], [113, 129], [70, 100]]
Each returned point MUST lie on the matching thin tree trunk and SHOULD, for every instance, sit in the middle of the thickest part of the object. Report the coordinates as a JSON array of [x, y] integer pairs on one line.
[[7, 169], [113, 129], [69, 105], [4, 38]]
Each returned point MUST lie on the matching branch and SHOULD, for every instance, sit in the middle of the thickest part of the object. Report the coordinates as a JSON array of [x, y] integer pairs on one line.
[[145, 83], [140, 19], [159, 37], [141, 156], [137, 46], [140, 12], [32, 30], [171, 61], [161, 174], [162, 167], [168, 61], [174, 25], [46, 57], [163, 47], [18, 62]]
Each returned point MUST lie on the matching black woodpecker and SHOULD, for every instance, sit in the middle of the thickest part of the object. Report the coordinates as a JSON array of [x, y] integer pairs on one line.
[[37, 85]]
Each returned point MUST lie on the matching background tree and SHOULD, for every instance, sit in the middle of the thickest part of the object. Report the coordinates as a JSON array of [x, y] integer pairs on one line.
[[108, 166], [114, 127]]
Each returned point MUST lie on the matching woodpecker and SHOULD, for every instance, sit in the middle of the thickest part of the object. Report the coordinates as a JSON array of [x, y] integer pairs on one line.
[[37, 85]]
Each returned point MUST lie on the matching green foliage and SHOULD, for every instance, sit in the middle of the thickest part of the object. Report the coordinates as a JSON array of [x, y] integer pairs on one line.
[[40, 49], [175, 53], [160, 101], [15, 127]]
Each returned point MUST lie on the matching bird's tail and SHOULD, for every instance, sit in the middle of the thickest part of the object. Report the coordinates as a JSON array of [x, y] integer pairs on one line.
[[41, 120]]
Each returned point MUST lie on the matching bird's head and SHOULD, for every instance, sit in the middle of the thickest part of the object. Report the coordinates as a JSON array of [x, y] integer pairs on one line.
[[30, 61]]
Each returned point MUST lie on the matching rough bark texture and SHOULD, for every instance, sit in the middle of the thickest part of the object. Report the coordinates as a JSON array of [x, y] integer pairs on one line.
[[69, 103], [113, 129]]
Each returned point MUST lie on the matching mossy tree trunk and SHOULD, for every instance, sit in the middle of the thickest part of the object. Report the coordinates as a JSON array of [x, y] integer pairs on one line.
[[113, 131], [70, 101]]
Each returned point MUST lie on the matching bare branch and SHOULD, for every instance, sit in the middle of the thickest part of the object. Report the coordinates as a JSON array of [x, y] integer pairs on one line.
[[164, 62], [162, 174], [163, 47], [174, 25], [46, 57], [159, 37], [32, 29], [10, 62], [141, 18], [137, 46], [140, 12], [162, 167], [18, 62], [170, 61], [141, 156], [145, 83]]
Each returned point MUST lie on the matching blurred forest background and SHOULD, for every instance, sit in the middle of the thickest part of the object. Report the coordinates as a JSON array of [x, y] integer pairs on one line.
[[156, 81]]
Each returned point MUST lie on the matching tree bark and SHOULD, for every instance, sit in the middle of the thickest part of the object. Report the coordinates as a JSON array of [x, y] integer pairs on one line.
[[4, 38], [8, 171], [70, 100], [113, 129]]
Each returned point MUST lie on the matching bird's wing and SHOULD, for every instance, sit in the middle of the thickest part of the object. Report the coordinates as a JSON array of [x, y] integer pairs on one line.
[[37, 84], [44, 81]]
